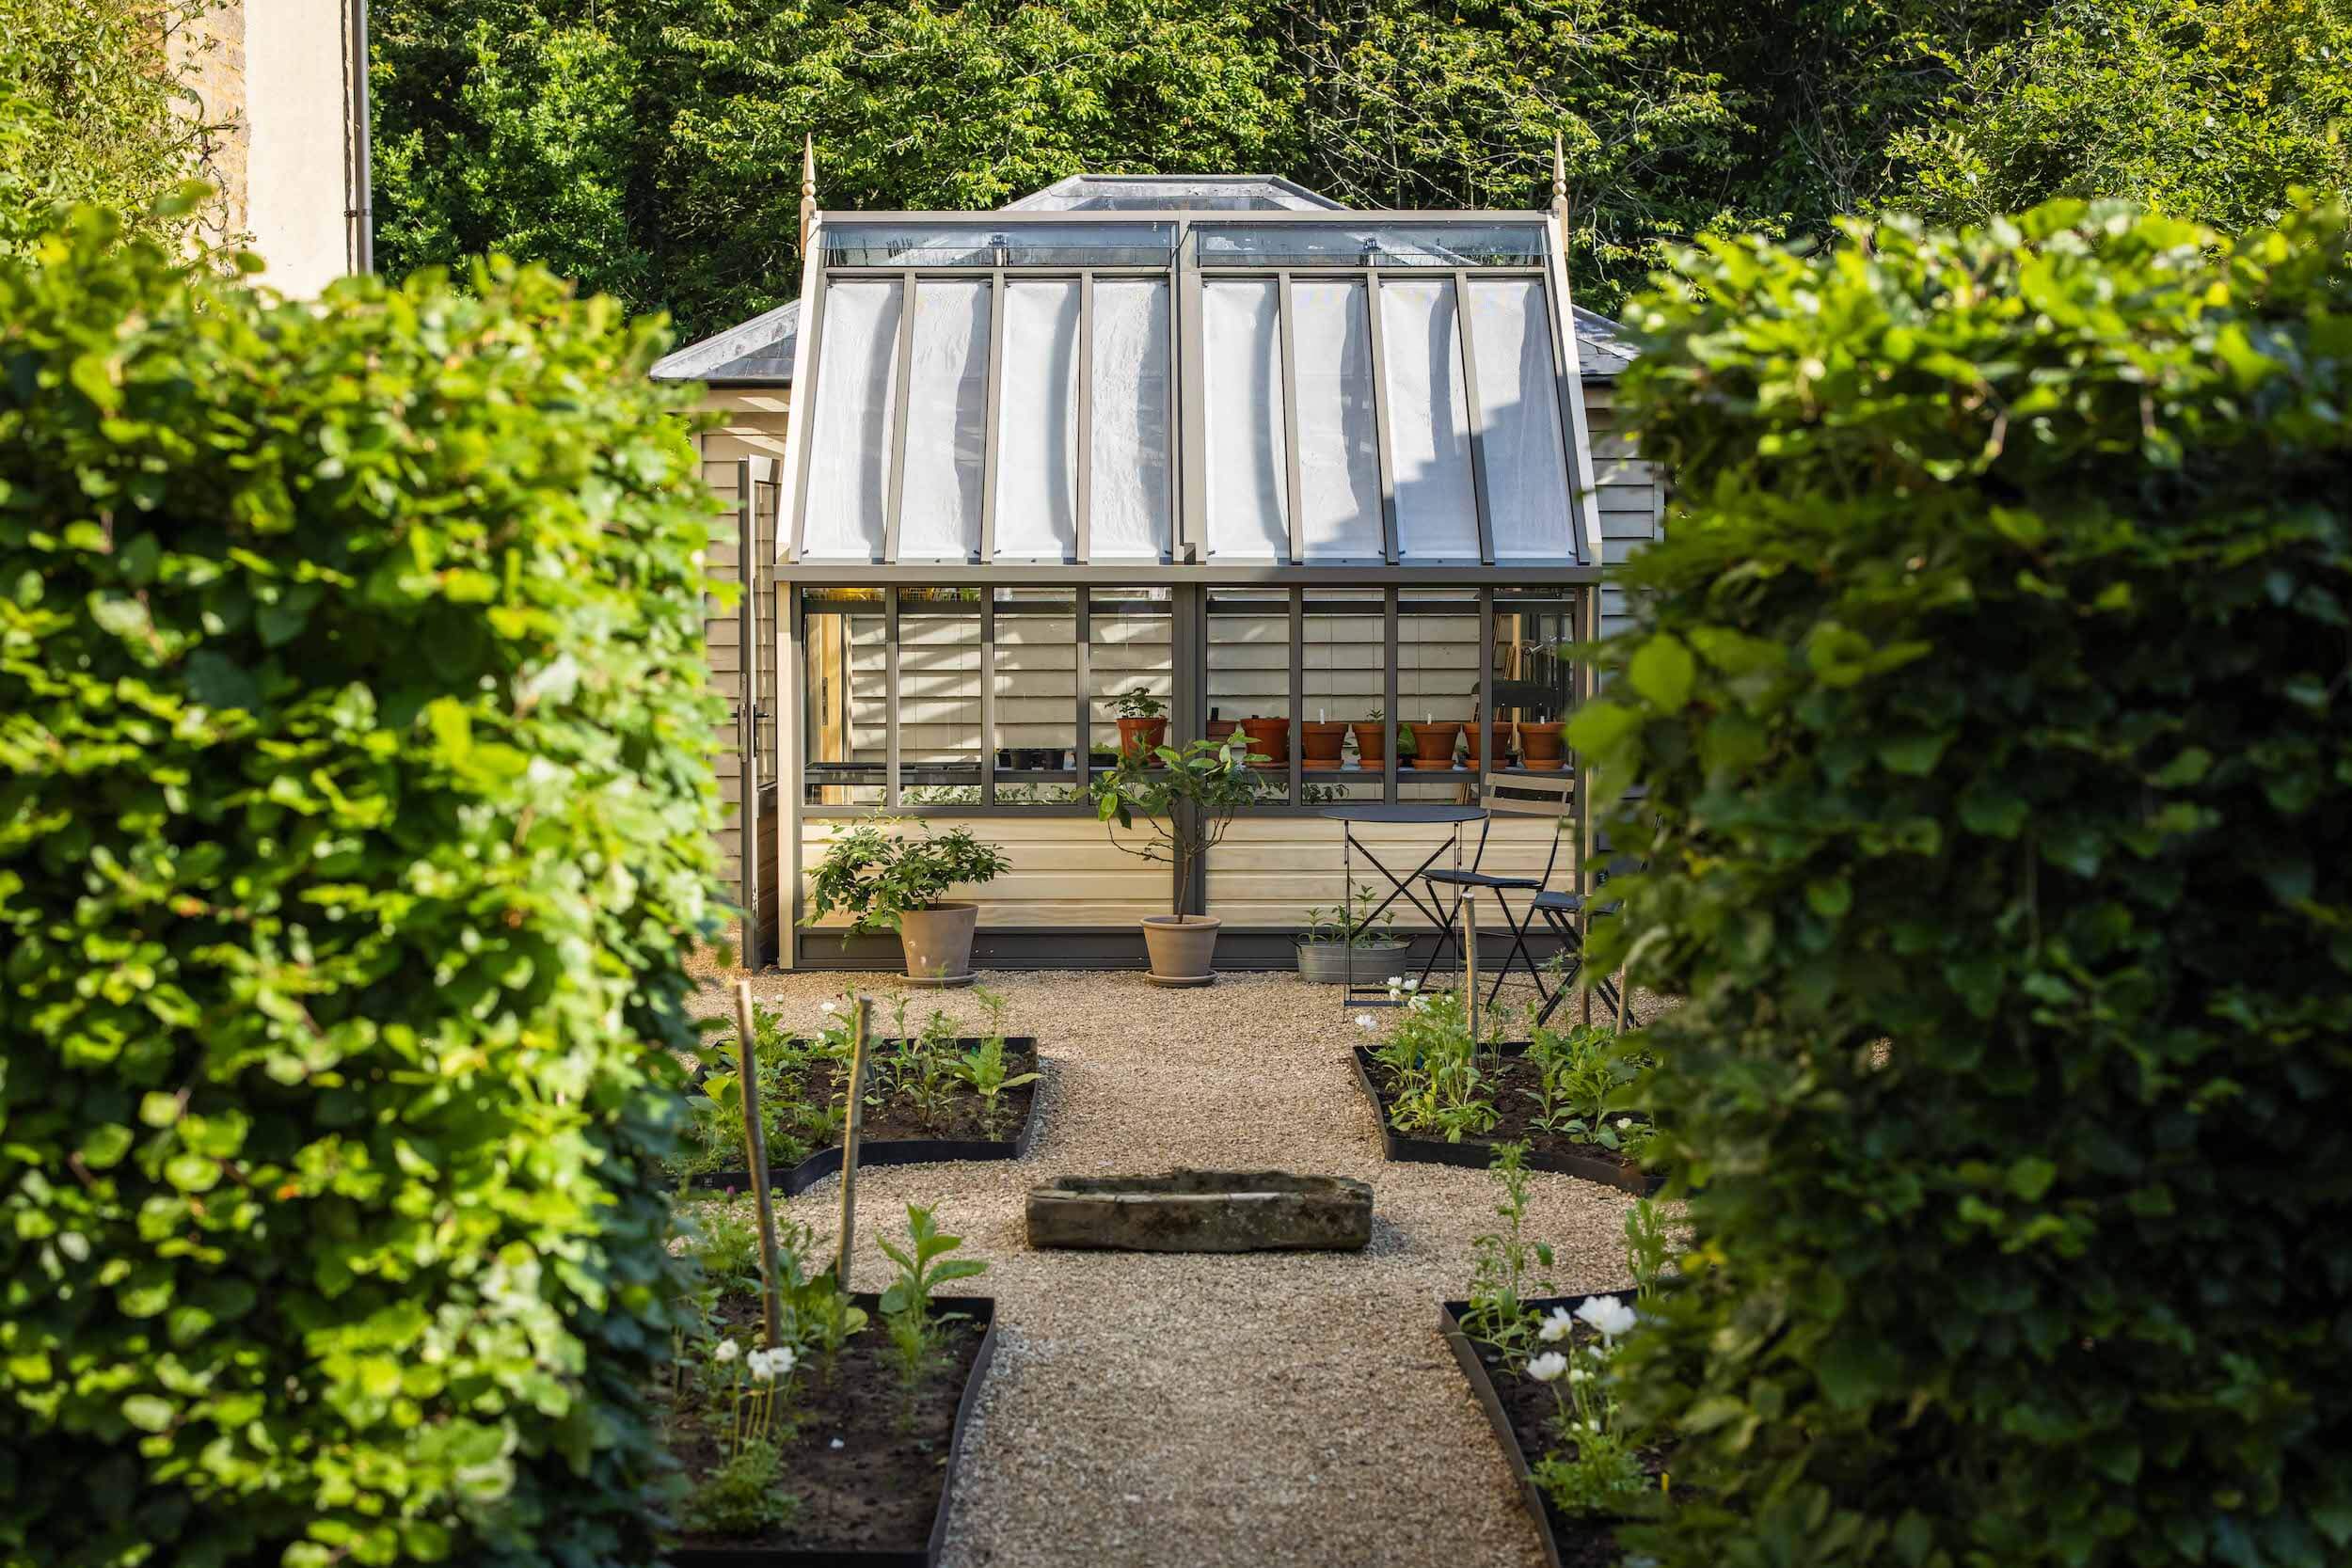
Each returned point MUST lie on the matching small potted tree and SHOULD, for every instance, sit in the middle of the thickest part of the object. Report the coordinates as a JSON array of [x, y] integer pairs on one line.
[[1142, 722], [896, 882], [1186, 799]]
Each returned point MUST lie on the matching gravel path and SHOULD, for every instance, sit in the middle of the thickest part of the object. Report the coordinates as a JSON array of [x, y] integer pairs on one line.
[[1202, 1411]]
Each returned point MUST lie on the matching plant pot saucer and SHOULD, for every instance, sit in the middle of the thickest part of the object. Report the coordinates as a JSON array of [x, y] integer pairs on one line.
[[1178, 982], [1543, 765], [941, 982]]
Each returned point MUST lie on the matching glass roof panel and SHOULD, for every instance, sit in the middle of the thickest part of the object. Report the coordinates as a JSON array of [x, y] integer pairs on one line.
[[1339, 460], [1518, 415], [1436, 509], [1037, 424], [849, 452], [1358, 243], [939, 507], [1247, 459], [1128, 494], [1010, 244]]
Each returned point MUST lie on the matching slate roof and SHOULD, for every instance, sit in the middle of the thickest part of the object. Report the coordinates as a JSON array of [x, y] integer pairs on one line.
[[758, 353]]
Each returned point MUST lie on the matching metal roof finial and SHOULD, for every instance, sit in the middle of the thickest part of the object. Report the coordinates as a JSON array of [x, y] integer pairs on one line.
[[809, 187], [1560, 183]]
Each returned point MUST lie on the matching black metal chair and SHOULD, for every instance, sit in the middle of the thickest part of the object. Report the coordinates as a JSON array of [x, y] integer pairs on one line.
[[1509, 795], [1558, 911]]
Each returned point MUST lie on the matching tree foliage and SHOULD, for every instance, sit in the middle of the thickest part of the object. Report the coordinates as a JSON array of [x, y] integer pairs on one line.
[[2205, 109], [354, 821], [1991, 699], [96, 106]]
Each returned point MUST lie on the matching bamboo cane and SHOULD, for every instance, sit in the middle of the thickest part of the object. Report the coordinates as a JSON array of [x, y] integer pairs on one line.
[[850, 1132], [755, 1155], [1469, 959]]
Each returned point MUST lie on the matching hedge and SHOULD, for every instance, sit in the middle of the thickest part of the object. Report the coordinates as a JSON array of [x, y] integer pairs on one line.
[[1993, 695], [354, 821]]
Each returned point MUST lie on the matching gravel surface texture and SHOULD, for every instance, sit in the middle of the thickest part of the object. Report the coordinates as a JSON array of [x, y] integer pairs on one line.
[[1204, 1410]]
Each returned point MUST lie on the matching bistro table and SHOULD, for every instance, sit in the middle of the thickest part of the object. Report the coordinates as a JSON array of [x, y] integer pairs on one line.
[[1424, 813]]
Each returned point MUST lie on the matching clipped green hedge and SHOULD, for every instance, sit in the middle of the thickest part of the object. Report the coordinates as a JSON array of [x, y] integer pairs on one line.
[[355, 821], [1993, 692]]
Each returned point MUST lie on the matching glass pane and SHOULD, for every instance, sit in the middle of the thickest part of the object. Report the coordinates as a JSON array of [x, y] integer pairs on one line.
[[1249, 678], [1129, 466], [1533, 641], [1241, 354], [850, 451], [845, 701], [1437, 513], [1037, 428], [1358, 243], [1339, 460], [1037, 695], [938, 697], [939, 510], [1436, 682], [1519, 409], [1341, 738], [1130, 648], [984, 244]]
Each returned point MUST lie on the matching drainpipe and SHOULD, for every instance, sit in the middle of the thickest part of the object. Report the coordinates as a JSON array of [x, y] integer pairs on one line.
[[359, 209]]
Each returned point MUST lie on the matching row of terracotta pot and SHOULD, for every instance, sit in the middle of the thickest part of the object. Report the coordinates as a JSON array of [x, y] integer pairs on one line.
[[1321, 743]]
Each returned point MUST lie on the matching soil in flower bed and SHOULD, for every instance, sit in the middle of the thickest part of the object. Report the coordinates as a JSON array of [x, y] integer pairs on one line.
[[1529, 1409], [964, 1118], [868, 1459], [957, 1126], [1514, 1085]]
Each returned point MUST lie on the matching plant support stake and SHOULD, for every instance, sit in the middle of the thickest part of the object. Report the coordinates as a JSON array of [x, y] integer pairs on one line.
[[849, 1140], [1470, 961], [756, 1162]]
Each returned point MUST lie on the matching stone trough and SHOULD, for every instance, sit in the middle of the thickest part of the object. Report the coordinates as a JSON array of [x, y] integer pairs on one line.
[[1202, 1211]]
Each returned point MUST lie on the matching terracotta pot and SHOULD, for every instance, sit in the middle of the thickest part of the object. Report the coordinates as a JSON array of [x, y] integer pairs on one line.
[[1141, 734], [1371, 743], [1269, 738], [1182, 948], [938, 942], [1540, 746], [1501, 730], [1319, 744], [1220, 728], [1433, 744]]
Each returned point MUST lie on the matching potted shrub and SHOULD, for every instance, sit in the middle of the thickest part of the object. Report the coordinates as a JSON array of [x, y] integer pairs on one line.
[[1142, 722], [896, 882], [1187, 799], [1342, 945]]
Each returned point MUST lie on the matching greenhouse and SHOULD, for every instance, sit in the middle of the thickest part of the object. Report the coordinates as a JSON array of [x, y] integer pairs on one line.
[[1194, 453]]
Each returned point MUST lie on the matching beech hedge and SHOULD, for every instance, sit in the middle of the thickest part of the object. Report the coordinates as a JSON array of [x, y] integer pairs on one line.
[[355, 823], [1991, 692]]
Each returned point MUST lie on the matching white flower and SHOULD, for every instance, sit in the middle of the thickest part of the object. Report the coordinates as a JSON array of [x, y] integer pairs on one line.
[[1396, 982], [1579, 1375], [1625, 1124], [1608, 1315], [1556, 1326], [1365, 1022], [728, 1349], [829, 1008], [1413, 984], [769, 1365], [1547, 1366]]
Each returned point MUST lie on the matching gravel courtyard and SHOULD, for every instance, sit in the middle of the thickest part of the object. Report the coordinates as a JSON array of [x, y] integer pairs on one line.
[[1197, 1411]]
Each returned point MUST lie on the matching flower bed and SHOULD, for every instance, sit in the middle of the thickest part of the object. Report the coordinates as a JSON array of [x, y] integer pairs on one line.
[[931, 1095], [840, 1444], [1543, 1370], [1447, 1099]]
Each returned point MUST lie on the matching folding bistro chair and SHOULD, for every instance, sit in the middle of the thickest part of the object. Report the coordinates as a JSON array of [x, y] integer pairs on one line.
[[1506, 794], [1558, 911]]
